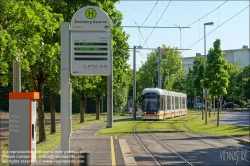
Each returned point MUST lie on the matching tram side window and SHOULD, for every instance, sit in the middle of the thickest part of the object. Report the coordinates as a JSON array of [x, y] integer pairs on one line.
[[172, 106], [161, 104], [183, 103], [180, 102], [176, 102], [168, 103]]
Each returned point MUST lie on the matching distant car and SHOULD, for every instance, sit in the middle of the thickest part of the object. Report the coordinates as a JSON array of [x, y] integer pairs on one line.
[[229, 105], [248, 106], [200, 106]]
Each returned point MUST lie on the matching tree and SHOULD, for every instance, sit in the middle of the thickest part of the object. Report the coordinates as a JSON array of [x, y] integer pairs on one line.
[[234, 86], [171, 69], [147, 74], [216, 77], [246, 82], [83, 86], [31, 27], [119, 42], [198, 72]]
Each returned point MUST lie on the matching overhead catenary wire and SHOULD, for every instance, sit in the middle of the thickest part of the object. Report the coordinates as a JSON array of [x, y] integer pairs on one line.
[[218, 27], [142, 56], [157, 23], [149, 13], [135, 23], [207, 14]]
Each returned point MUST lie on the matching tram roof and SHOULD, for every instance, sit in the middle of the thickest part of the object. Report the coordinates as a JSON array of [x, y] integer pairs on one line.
[[161, 91]]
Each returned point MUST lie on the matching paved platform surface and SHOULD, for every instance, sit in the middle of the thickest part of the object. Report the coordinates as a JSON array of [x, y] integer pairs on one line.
[[102, 150]]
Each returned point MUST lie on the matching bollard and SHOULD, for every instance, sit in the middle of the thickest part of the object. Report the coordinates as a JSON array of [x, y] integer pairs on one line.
[[74, 159], [80, 158], [84, 158]]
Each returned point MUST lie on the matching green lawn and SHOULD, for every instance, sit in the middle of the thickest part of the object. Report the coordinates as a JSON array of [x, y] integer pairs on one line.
[[193, 122]]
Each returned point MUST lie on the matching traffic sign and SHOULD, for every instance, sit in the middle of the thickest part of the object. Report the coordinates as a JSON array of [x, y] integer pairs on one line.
[[91, 18]]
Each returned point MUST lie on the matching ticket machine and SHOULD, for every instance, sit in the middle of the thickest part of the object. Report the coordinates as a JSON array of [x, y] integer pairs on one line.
[[22, 127]]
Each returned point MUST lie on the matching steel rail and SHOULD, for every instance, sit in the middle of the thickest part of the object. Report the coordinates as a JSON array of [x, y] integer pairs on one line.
[[145, 147], [222, 142], [224, 149], [169, 148], [195, 138]]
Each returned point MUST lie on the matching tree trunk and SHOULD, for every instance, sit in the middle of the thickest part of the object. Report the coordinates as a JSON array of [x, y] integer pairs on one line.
[[218, 112], [82, 108], [202, 112], [210, 108], [52, 112], [41, 119], [97, 107], [41, 79]]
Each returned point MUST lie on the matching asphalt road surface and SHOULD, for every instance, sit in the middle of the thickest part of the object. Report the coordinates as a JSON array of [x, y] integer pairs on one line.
[[235, 117]]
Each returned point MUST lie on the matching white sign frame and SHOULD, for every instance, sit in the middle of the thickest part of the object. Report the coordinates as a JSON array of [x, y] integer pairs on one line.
[[86, 58]]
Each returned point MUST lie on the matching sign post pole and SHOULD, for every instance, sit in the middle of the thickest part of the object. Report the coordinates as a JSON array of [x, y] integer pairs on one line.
[[110, 94], [65, 90]]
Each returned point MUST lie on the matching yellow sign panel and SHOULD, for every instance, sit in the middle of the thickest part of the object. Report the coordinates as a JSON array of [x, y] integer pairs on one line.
[[90, 13]]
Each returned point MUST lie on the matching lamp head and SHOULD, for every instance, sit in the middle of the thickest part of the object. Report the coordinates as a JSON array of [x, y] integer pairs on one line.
[[209, 23]]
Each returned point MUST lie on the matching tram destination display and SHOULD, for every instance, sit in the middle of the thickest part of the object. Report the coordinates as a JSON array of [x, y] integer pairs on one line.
[[90, 53]]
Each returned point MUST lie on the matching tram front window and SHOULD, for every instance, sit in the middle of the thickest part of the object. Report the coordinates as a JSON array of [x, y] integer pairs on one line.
[[150, 104]]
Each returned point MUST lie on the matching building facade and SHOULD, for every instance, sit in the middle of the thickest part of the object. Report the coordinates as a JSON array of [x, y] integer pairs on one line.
[[233, 56]]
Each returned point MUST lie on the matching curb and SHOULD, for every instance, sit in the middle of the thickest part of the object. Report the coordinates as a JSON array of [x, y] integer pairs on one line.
[[244, 141]]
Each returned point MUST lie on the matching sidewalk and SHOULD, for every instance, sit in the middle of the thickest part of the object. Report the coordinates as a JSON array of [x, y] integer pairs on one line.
[[102, 150]]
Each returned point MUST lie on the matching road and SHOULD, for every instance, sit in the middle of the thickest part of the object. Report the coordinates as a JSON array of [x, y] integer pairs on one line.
[[236, 117]]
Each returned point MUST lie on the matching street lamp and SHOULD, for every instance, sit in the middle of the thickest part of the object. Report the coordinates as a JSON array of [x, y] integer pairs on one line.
[[208, 23], [134, 82]]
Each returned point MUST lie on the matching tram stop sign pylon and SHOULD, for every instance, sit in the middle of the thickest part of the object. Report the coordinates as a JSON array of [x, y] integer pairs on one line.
[[85, 51], [90, 43]]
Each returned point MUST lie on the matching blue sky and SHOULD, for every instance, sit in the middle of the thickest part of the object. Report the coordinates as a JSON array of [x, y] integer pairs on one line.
[[233, 34]]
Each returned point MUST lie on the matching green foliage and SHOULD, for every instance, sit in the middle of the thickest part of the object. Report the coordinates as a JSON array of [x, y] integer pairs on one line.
[[171, 69], [198, 71], [234, 87], [216, 74], [4, 97], [246, 82]]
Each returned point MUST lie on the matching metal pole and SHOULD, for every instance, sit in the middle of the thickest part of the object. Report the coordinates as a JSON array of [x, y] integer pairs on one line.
[[242, 90], [214, 106], [159, 67], [16, 77], [110, 95], [205, 62], [180, 37], [134, 84], [65, 91], [195, 100], [102, 104]]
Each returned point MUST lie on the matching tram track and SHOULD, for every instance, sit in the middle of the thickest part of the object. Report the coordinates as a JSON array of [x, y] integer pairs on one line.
[[220, 141], [227, 147], [159, 161]]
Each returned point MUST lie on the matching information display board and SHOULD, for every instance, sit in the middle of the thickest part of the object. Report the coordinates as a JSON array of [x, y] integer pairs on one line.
[[90, 53]]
